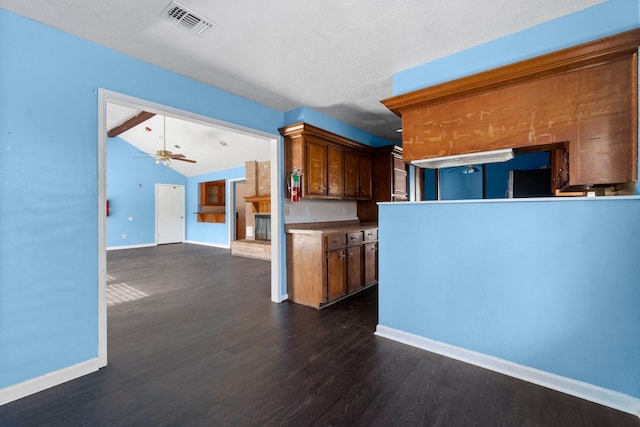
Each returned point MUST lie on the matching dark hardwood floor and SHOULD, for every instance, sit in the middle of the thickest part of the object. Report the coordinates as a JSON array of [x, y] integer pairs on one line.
[[207, 347]]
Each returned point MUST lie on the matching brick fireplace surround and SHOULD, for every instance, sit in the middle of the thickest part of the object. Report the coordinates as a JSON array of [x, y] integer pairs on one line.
[[257, 202]]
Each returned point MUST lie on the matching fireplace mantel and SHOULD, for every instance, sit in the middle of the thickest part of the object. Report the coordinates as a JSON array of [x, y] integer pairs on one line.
[[262, 204]]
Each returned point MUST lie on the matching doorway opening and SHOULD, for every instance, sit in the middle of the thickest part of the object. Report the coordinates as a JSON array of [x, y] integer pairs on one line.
[[106, 97]]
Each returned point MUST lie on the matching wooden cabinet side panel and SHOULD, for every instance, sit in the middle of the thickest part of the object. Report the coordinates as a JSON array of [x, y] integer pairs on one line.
[[294, 158], [305, 273]]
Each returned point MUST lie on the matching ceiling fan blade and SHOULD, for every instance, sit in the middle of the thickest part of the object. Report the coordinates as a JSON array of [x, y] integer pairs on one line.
[[178, 156]]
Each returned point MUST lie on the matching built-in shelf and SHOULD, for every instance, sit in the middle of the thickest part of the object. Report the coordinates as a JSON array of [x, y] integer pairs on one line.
[[210, 217]]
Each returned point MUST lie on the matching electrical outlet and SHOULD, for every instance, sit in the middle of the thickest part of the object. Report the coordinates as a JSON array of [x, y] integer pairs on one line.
[[124, 236], [287, 210]]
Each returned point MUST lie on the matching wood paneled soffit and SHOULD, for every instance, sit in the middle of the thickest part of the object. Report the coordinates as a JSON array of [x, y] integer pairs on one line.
[[586, 55]]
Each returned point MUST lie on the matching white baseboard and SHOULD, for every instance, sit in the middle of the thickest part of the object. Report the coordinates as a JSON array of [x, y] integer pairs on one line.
[[144, 245], [52, 379], [215, 245], [593, 393]]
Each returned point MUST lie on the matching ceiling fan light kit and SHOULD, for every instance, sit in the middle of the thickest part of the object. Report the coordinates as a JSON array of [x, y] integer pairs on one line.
[[165, 156]]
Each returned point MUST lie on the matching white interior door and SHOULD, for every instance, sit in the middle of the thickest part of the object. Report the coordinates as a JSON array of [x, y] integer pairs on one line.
[[170, 212]]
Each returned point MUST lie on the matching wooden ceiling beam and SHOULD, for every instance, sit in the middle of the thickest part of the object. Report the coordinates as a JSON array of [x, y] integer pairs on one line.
[[132, 122]]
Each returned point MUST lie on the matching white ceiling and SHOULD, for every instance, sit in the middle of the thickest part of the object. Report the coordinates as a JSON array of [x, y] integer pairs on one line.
[[214, 148], [335, 56]]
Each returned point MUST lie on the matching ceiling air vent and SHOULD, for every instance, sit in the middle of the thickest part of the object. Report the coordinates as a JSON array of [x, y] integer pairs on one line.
[[193, 22]]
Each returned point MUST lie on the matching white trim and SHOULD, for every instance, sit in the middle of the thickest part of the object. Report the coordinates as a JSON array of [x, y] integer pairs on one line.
[[144, 245], [593, 393], [102, 228], [213, 245], [517, 200], [278, 294], [52, 379], [231, 207]]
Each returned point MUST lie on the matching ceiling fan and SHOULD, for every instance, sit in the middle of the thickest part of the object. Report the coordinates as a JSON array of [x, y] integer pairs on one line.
[[468, 169], [165, 156]]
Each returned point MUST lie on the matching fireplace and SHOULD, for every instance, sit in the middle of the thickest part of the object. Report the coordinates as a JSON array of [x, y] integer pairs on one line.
[[263, 227]]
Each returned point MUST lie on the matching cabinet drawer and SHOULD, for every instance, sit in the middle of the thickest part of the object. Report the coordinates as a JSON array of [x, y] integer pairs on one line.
[[371, 234], [354, 238], [334, 241]]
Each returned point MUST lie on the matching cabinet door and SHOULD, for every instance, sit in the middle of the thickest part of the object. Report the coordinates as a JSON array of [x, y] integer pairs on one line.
[[315, 175], [559, 168], [364, 174], [354, 268], [336, 274], [351, 185], [335, 172], [370, 263]]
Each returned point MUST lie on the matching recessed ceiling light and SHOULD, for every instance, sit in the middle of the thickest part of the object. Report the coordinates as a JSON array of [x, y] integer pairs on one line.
[[177, 146]]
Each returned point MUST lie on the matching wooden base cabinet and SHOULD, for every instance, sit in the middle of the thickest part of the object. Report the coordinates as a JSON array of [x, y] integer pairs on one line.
[[326, 266]]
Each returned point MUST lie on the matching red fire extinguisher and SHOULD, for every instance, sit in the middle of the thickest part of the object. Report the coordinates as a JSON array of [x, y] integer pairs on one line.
[[295, 185], [108, 208]]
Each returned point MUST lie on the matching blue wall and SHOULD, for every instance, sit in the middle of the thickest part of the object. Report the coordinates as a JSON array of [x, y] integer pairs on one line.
[[550, 285], [207, 232], [131, 180], [49, 183]]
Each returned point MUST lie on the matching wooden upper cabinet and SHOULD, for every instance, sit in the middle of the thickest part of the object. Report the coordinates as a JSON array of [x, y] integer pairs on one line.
[[582, 101], [333, 167]]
